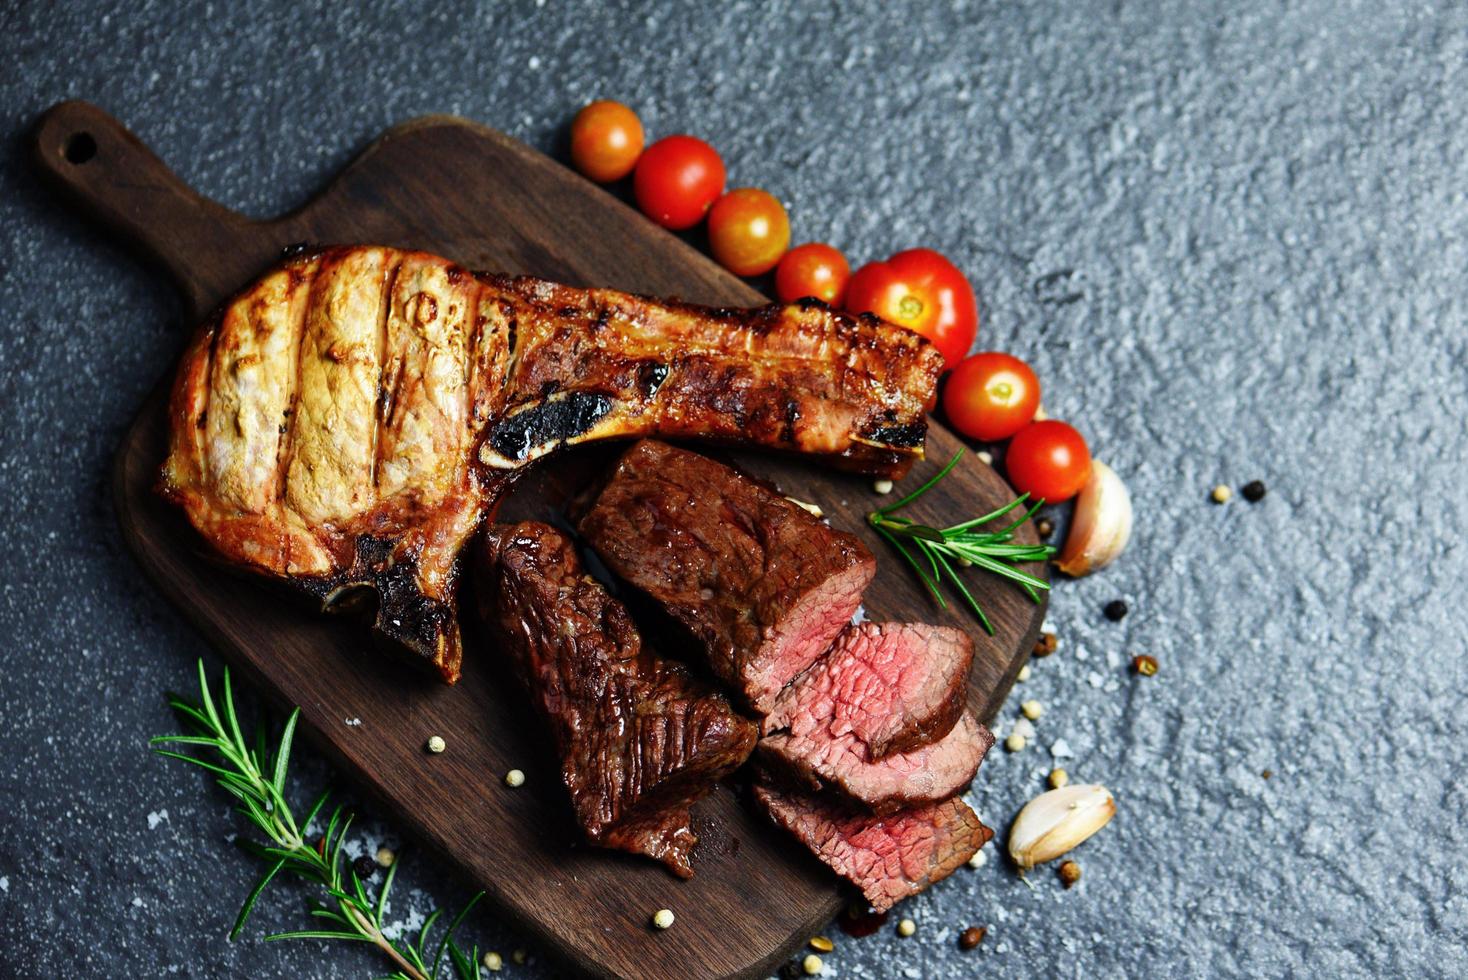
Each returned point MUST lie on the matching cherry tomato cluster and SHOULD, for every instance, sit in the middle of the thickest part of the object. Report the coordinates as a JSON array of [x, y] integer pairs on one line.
[[679, 180]]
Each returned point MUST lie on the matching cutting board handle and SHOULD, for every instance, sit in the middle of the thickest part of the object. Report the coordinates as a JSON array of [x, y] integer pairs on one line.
[[107, 173]]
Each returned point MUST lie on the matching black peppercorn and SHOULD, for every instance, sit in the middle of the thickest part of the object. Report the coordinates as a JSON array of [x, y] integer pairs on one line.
[[1115, 610], [971, 937], [1044, 527], [1254, 491], [364, 866]]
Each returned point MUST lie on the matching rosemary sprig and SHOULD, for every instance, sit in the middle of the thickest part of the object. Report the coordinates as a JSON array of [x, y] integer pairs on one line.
[[964, 543], [256, 777]]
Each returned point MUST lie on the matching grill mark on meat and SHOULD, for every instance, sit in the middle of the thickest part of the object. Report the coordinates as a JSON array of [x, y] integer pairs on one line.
[[294, 401], [386, 388], [210, 365], [336, 417]]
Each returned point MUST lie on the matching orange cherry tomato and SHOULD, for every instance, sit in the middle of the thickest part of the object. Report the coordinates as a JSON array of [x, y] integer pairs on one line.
[[991, 396], [606, 140], [813, 269], [677, 180], [921, 290], [1048, 460], [748, 231]]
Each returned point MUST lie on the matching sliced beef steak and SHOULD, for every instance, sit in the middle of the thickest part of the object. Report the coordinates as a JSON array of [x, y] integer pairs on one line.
[[907, 779], [889, 858], [894, 686], [761, 583], [639, 739]]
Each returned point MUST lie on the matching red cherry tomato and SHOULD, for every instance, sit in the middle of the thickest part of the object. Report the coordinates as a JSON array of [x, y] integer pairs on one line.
[[677, 180], [922, 291], [606, 140], [991, 396], [813, 269], [1048, 460], [748, 231]]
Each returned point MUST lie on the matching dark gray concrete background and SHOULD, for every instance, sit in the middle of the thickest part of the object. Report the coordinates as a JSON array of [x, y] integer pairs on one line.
[[1264, 209]]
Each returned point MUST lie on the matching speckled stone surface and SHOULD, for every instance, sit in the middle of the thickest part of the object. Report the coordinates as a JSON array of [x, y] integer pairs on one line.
[[1230, 237]]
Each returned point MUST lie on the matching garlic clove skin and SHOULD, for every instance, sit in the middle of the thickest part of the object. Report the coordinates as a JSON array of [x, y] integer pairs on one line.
[[1102, 524], [1055, 822]]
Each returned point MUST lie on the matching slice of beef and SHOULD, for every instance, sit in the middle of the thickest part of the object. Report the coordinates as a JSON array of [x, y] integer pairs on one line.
[[917, 778], [760, 582], [894, 686], [889, 858], [639, 739]]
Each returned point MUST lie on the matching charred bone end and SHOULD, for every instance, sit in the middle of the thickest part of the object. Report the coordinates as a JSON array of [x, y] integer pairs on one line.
[[385, 590]]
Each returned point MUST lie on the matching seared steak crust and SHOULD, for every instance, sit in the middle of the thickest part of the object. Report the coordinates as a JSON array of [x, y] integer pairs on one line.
[[894, 686], [344, 423], [889, 858], [639, 740], [760, 582]]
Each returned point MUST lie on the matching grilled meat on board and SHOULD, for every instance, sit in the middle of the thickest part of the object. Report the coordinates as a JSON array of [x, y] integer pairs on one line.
[[639, 740], [760, 583], [895, 687], [819, 760], [344, 423], [888, 857]]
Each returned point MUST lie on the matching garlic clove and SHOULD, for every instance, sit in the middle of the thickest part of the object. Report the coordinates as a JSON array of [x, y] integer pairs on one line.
[[1054, 822], [1102, 524]]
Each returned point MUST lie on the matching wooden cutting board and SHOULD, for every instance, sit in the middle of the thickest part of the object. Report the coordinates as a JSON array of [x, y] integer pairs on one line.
[[476, 196]]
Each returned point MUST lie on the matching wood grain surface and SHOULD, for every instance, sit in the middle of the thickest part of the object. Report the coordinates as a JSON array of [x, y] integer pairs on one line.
[[476, 196]]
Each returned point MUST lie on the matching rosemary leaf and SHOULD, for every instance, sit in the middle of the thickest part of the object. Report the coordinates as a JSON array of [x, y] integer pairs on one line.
[[993, 551], [239, 766], [253, 897]]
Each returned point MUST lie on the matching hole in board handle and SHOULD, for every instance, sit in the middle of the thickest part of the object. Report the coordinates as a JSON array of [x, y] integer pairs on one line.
[[80, 147]]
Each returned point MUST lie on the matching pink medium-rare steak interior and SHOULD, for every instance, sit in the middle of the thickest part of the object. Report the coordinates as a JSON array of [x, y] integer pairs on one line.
[[888, 857], [638, 738], [917, 778], [758, 581], [894, 686]]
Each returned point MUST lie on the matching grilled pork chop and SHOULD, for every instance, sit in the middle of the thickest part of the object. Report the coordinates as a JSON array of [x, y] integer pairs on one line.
[[344, 423]]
